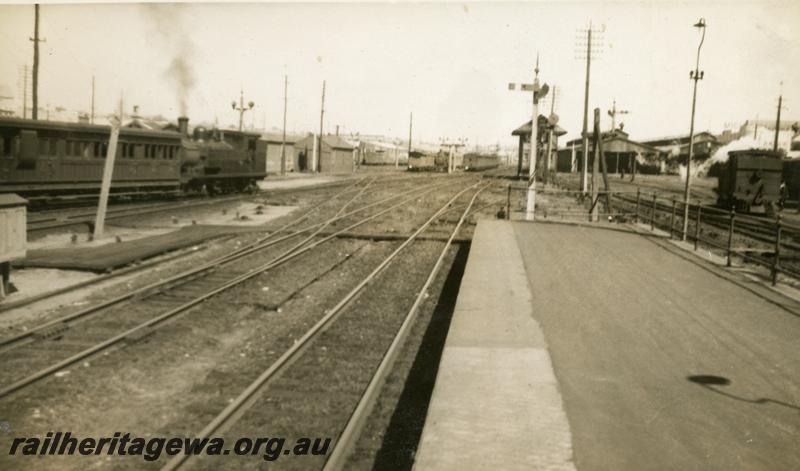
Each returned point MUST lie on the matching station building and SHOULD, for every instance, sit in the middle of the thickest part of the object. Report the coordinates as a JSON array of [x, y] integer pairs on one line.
[[675, 149], [621, 154]]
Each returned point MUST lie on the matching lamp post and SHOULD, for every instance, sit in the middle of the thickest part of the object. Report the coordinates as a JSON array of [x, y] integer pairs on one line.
[[241, 109], [695, 75]]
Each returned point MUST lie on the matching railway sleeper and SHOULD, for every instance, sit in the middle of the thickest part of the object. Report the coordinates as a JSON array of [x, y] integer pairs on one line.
[[138, 335], [52, 332]]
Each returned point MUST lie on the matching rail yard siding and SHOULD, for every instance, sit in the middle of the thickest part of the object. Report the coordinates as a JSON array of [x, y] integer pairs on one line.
[[496, 403]]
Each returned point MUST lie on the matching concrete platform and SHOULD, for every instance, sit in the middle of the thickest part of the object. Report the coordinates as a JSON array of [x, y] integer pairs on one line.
[[662, 362], [496, 404]]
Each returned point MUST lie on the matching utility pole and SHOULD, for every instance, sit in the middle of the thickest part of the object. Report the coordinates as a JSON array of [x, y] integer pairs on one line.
[[695, 75], [410, 126], [592, 47], [317, 166], [36, 40], [25, 93], [283, 139], [777, 124], [91, 119], [755, 131], [585, 137]]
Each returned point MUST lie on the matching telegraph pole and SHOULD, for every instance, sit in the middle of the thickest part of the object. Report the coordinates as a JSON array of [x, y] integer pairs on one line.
[[91, 119], [410, 126], [777, 124], [317, 166], [584, 135], [25, 93], [35, 39], [755, 131], [591, 41], [283, 139]]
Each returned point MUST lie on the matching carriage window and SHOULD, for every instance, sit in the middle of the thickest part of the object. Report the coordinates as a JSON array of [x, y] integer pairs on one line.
[[5, 146], [43, 146]]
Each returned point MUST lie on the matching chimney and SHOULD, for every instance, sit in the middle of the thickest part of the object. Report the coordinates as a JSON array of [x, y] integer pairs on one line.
[[183, 125]]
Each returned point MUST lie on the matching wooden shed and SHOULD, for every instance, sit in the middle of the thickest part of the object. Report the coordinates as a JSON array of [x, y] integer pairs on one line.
[[336, 155], [271, 144]]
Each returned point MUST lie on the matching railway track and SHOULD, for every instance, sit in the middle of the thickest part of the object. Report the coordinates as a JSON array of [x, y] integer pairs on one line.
[[330, 333], [55, 219], [158, 302], [7, 306]]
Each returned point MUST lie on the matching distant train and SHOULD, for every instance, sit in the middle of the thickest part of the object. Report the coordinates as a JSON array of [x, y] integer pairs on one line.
[[438, 162], [757, 181], [52, 159], [478, 162], [424, 162]]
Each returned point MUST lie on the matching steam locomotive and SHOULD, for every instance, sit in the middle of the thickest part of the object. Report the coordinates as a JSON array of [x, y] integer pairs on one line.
[[43, 159]]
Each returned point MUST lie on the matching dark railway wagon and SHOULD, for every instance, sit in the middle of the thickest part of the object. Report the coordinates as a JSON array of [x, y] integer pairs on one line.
[[750, 180], [54, 158], [420, 161], [477, 162]]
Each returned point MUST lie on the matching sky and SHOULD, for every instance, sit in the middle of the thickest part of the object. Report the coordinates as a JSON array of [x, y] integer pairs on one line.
[[448, 63]]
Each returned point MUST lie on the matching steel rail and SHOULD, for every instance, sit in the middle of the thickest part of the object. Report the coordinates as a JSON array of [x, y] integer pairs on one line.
[[246, 397], [190, 274], [346, 442], [7, 306], [152, 322]]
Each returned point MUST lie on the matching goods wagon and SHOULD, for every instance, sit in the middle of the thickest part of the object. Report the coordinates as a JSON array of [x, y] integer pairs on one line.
[[750, 180], [477, 162]]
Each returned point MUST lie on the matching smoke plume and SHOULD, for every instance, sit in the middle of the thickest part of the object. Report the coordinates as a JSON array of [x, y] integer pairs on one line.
[[174, 41]]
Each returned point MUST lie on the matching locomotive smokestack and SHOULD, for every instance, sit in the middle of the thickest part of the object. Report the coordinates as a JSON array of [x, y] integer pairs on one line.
[[183, 125]]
